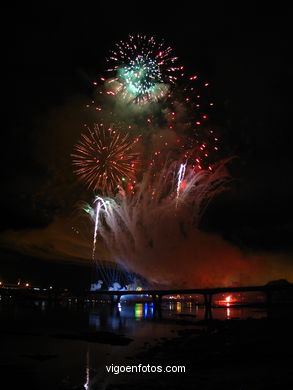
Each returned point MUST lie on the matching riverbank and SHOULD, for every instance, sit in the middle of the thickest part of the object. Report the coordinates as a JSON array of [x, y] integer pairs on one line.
[[234, 354]]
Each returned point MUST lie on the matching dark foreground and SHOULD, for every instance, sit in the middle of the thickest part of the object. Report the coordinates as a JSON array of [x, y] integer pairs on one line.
[[67, 347], [247, 354]]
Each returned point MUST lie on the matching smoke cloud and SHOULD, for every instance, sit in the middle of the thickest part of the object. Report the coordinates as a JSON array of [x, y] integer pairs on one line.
[[173, 255]]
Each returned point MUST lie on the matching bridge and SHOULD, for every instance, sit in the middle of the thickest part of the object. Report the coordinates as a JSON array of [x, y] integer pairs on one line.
[[207, 293]]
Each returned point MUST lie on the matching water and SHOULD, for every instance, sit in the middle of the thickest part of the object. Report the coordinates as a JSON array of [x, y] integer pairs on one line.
[[36, 347]]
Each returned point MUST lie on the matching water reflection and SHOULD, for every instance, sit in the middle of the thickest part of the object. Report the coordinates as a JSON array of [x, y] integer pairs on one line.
[[87, 372], [122, 316], [125, 316], [94, 320], [29, 329], [138, 310]]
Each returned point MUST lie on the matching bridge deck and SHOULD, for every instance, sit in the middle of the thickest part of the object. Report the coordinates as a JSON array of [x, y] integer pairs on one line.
[[201, 291]]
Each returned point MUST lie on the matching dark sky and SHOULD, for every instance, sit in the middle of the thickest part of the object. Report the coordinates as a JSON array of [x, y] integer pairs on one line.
[[50, 54]]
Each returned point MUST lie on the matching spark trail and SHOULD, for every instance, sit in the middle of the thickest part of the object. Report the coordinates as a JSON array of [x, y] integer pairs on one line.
[[133, 226], [180, 176]]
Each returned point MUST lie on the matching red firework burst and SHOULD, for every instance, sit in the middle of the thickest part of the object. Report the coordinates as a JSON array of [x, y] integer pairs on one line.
[[104, 158]]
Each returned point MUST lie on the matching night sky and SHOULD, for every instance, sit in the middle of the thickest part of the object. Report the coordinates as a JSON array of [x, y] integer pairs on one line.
[[50, 57]]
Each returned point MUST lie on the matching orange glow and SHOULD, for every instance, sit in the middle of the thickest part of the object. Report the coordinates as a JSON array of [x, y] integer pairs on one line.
[[178, 307], [228, 300]]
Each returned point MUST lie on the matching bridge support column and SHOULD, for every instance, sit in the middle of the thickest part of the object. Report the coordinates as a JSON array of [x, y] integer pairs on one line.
[[115, 299], [208, 306], [157, 301]]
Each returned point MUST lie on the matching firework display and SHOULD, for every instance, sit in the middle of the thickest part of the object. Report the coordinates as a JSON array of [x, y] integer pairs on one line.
[[104, 158], [143, 66], [133, 226], [189, 106], [167, 184]]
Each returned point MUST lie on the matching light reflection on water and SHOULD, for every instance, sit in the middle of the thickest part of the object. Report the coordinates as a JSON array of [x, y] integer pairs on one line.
[[29, 328], [126, 316]]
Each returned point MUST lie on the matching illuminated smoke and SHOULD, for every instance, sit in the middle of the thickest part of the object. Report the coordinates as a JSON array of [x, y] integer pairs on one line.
[[134, 226]]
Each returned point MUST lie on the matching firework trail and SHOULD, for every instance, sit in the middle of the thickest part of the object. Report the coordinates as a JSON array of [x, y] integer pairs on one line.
[[96, 217], [180, 175], [104, 158], [133, 225]]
